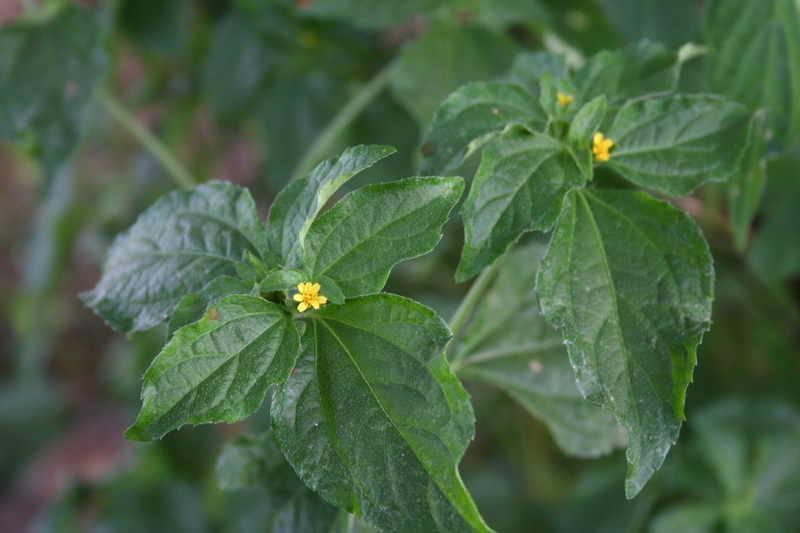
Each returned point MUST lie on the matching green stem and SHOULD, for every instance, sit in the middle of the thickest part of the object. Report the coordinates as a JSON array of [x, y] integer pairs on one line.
[[354, 107], [151, 143], [469, 302]]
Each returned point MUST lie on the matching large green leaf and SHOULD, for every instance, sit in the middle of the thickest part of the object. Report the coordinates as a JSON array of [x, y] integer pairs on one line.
[[519, 187], [219, 368], [373, 418], [508, 345], [630, 281], [470, 115], [675, 144], [48, 72], [445, 58], [298, 203], [755, 58], [182, 242], [637, 70], [358, 241]]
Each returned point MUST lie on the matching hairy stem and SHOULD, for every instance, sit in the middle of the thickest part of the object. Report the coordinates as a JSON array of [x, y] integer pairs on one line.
[[151, 143]]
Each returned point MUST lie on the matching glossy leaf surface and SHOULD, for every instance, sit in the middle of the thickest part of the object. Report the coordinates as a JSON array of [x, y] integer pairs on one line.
[[630, 281]]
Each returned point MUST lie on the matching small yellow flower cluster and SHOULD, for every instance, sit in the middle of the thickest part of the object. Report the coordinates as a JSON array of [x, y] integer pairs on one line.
[[563, 99], [309, 296], [601, 147]]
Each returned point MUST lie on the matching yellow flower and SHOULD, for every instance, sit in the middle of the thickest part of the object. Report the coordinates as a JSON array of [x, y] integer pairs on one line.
[[309, 296], [600, 147], [563, 99]]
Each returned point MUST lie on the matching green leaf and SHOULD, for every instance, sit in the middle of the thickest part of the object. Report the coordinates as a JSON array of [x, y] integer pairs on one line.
[[755, 58], [475, 112], [528, 68], [630, 279], [637, 70], [374, 419], [298, 204], [586, 122], [584, 125], [192, 307], [358, 241], [183, 241], [445, 58], [519, 187], [217, 369], [673, 145], [251, 462], [282, 280], [747, 184], [48, 72], [508, 345]]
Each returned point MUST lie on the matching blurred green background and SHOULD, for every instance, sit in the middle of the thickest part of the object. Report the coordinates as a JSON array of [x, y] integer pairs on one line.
[[254, 91]]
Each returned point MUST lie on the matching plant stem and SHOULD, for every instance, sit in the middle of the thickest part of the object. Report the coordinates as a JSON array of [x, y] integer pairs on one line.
[[151, 143], [352, 109], [469, 302]]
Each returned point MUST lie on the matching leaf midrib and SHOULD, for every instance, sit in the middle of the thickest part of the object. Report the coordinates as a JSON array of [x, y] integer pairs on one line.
[[612, 290], [391, 420]]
